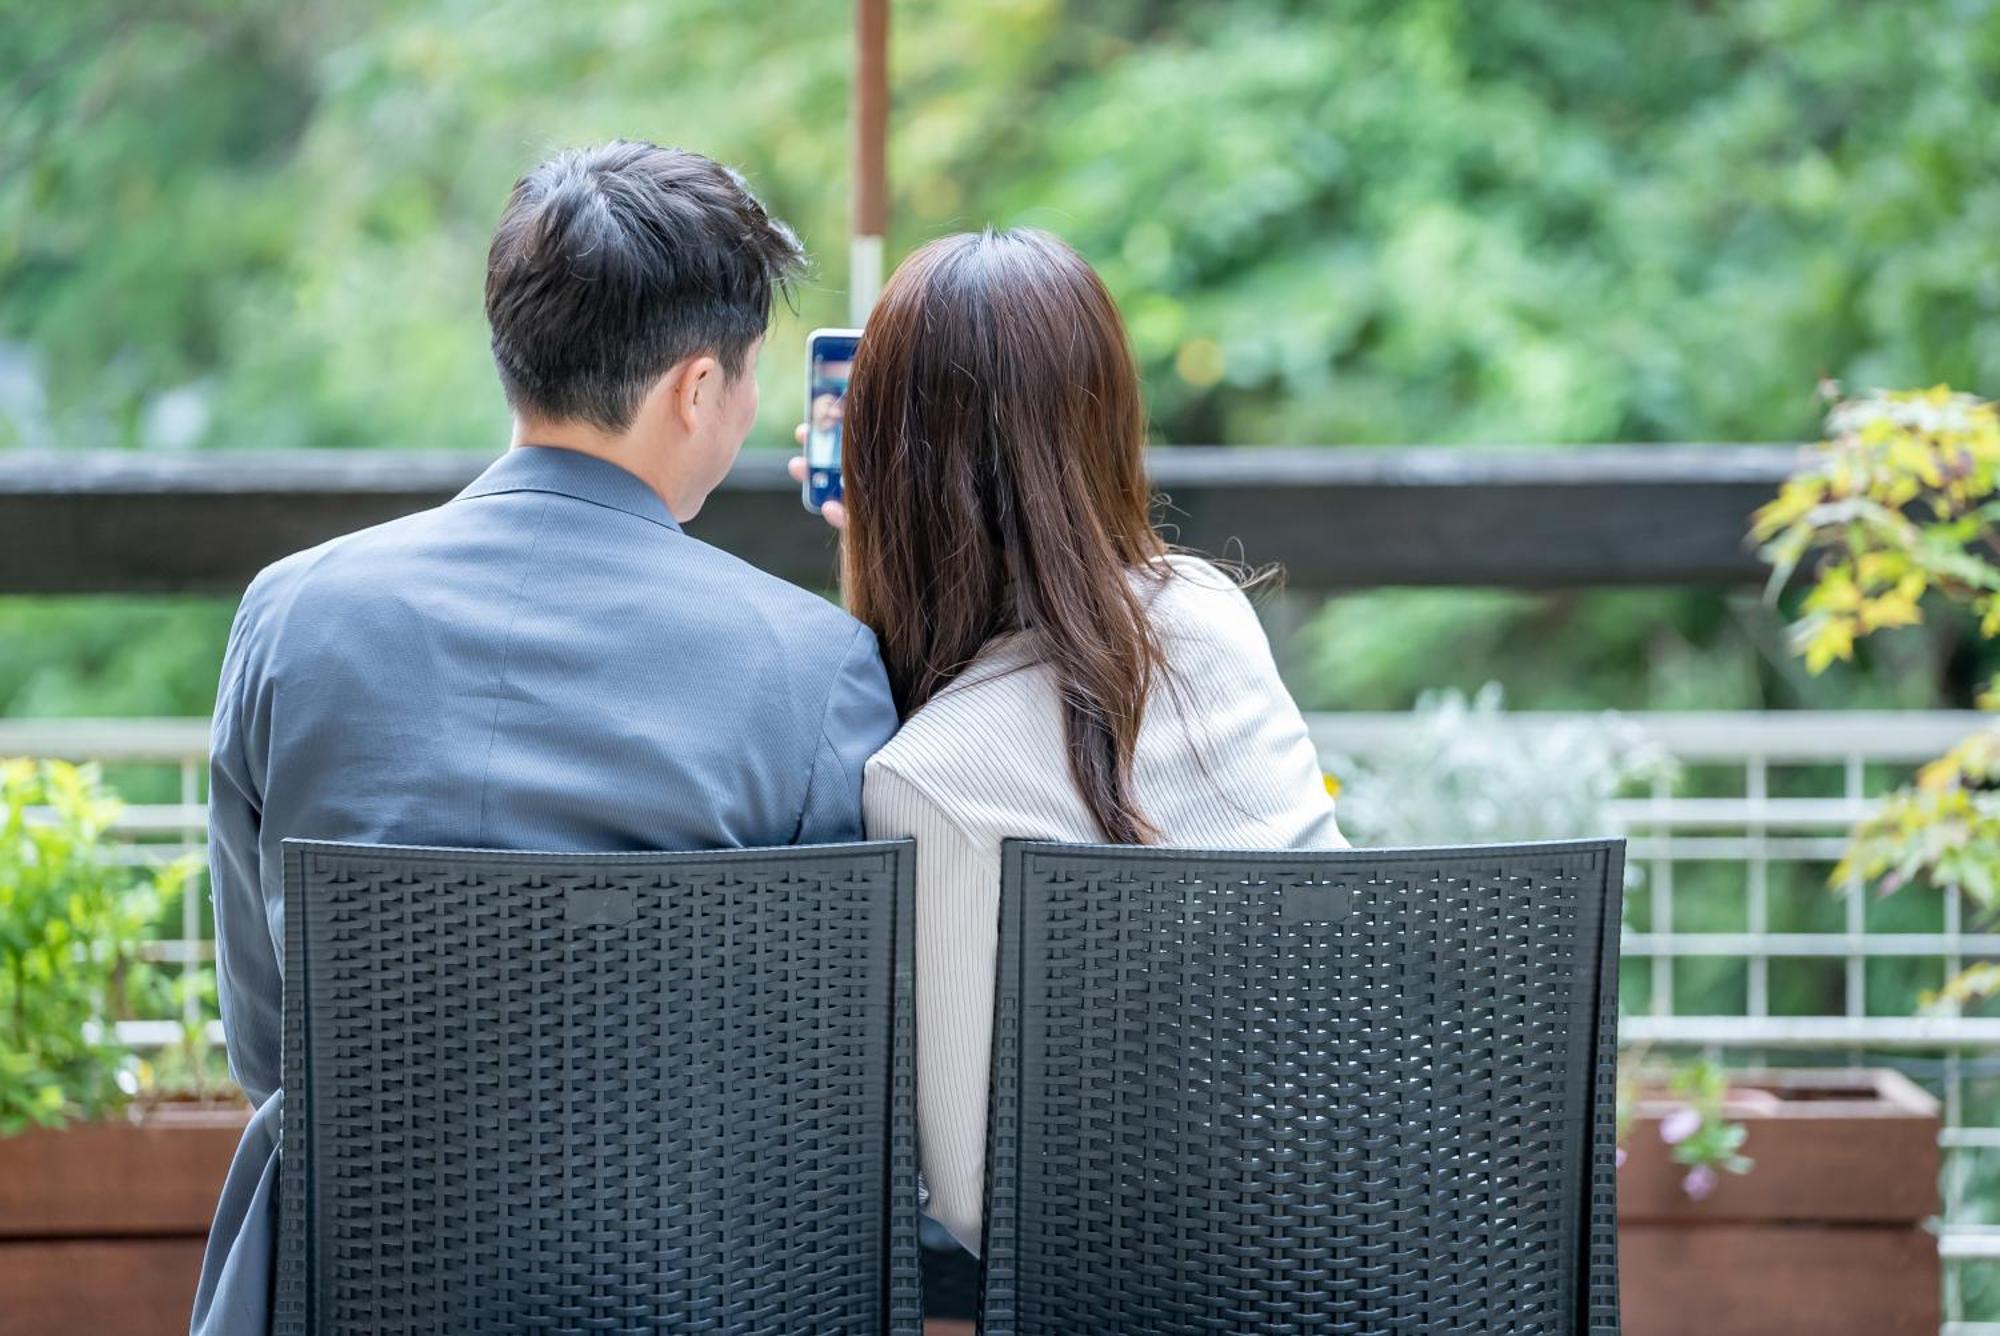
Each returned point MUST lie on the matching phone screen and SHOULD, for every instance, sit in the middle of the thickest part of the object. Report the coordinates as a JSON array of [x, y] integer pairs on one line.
[[829, 358]]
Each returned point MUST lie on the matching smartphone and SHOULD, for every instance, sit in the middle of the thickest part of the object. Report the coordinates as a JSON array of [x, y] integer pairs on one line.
[[829, 358]]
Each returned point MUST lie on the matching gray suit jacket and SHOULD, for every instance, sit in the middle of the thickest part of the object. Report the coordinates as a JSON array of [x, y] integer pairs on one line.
[[545, 662]]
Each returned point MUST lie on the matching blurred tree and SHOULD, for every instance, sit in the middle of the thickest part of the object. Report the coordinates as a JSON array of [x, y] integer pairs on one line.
[[65, 658], [241, 222]]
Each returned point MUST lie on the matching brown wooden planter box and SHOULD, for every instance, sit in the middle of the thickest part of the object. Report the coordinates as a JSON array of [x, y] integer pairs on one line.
[[1827, 1234], [102, 1224]]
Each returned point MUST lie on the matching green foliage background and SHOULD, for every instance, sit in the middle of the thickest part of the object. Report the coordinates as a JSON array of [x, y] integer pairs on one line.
[[244, 223]]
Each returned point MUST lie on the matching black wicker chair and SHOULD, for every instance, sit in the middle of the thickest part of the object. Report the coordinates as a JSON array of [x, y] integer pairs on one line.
[[1349, 1092], [598, 1093]]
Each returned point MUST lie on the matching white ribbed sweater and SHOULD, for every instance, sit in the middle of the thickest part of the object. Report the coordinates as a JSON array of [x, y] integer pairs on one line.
[[1224, 762]]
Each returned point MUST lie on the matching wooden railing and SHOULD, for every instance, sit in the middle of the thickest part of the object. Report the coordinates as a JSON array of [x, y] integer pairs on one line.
[[133, 522]]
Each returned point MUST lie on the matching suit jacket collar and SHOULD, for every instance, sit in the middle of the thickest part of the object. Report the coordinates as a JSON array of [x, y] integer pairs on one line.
[[550, 468]]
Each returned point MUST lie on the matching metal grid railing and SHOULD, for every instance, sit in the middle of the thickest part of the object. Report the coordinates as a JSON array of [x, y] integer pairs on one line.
[[1771, 962], [1734, 938]]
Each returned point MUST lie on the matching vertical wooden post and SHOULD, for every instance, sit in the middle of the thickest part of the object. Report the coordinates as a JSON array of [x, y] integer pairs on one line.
[[871, 156]]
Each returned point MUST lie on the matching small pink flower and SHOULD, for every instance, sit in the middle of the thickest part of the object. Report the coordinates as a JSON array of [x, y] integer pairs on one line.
[[1620, 1158], [1700, 1181], [1679, 1125]]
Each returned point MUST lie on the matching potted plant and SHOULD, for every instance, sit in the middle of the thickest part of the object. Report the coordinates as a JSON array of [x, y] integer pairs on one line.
[[109, 1165], [1828, 1234]]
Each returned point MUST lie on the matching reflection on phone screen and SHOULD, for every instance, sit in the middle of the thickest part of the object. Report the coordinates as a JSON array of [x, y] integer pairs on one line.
[[832, 360]]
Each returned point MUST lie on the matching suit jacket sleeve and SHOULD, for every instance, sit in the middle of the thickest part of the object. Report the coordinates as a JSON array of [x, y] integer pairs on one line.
[[860, 716], [248, 972]]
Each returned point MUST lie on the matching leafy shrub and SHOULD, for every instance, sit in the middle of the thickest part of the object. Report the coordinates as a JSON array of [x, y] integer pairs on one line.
[[72, 921], [1899, 508], [1463, 776]]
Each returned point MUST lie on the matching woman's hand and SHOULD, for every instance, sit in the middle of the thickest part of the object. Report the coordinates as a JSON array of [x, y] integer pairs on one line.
[[832, 512]]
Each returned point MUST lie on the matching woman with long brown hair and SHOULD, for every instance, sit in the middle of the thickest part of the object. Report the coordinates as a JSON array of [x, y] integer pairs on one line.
[[1060, 673]]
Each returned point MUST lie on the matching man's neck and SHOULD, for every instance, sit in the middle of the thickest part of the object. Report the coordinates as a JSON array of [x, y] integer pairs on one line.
[[645, 465]]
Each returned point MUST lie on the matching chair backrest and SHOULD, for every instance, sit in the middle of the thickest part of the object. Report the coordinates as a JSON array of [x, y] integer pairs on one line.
[[1339, 1092], [598, 1092]]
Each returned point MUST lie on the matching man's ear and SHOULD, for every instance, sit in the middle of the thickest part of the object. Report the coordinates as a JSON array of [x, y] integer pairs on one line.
[[694, 387]]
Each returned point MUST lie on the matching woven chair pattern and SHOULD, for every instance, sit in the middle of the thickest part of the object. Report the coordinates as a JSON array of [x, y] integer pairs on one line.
[[598, 1093], [1344, 1092]]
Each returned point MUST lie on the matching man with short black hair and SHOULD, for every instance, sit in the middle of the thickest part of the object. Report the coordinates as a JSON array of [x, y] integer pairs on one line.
[[546, 662]]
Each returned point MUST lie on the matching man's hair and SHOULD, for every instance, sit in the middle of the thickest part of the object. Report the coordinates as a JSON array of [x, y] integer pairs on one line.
[[613, 263]]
